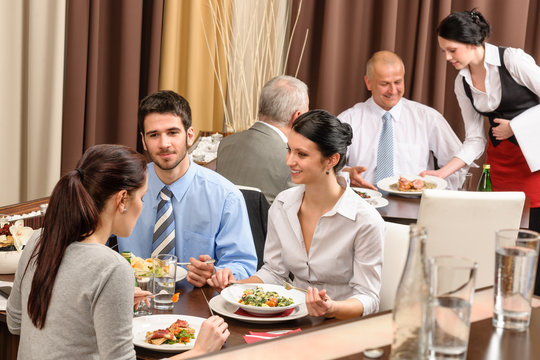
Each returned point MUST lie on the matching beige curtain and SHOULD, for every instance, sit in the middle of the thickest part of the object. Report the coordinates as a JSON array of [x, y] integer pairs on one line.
[[189, 50], [31, 69]]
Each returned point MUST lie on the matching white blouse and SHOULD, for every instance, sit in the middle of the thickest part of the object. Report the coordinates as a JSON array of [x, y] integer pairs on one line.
[[346, 252], [525, 126]]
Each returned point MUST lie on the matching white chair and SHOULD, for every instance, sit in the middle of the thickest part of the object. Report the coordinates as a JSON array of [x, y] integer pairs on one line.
[[463, 223], [396, 247]]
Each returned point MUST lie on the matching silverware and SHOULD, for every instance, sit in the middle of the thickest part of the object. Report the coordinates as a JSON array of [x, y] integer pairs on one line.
[[207, 303], [288, 286], [206, 262]]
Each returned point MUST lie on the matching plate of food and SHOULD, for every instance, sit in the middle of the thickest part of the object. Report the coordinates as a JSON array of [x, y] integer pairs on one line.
[[263, 299], [367, 193], [410, 184], [141, 265], [166, 333], [221, 306]]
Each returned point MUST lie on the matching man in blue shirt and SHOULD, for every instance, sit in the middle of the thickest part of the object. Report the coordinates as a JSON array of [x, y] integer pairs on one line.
[[210, 216]]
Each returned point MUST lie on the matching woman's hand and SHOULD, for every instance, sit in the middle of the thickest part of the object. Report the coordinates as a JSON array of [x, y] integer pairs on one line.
[[221, 279], [211, 337], [436, 173], [502, 131], [140, 295], [318, 303]]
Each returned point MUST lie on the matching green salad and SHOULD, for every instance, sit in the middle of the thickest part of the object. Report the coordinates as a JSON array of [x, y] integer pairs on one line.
[[261, 298]]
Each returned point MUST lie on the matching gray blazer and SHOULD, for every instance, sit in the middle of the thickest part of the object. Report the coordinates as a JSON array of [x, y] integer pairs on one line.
[[255, 157]]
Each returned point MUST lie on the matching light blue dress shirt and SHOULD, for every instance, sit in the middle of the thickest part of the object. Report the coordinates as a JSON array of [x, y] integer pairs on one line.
[[210, 216]]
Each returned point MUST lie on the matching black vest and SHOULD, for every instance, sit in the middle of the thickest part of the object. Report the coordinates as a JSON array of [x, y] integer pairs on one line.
[[515, 99]]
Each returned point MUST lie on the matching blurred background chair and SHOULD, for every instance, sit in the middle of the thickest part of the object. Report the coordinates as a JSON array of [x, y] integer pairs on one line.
[[396, 247], [257, 208], [463, 223]]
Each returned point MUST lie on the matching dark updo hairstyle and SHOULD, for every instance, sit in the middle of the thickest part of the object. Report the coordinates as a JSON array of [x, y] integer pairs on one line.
[[468, 27], [74, 212], [324, 129]]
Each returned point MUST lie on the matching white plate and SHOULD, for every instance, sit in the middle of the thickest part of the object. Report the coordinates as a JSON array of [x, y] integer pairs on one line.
[[222, 307], [233, 293], [143, 324], [181, 273], [384, 184], [372, 193], [378, 203]]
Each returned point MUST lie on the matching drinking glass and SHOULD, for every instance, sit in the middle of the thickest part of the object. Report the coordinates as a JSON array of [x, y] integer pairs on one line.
[[516, 255], [164, 268], [467, 183], [144, 279], [449, 311]]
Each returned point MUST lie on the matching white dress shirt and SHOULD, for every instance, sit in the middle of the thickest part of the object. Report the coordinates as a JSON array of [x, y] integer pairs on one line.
[[346, 252], [418, 131], [526, 126]]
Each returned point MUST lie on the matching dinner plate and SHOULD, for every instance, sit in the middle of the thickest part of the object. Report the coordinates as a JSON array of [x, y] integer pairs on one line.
[[371, 193], [384, 184], [143, 324], [222, 307], [181, 273], [232, 295]]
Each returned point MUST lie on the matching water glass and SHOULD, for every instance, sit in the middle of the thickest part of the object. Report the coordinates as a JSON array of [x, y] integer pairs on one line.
[[144, 279], [449, 311], [516, 255], [164, 268], [467, 183]]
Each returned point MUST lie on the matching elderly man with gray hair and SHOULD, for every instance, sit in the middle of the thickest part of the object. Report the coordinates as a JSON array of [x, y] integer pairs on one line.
[[257, 157]]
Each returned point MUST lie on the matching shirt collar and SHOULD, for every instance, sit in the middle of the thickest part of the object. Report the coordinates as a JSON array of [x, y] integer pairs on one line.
[[279, 132], [379, 111], [491, 57], [178, 188]]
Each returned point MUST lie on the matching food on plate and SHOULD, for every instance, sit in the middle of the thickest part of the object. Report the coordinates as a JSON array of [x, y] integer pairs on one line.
[[14, 237], [258, 297], [178, 333], [362, 194], [141, 266], [405, 184]]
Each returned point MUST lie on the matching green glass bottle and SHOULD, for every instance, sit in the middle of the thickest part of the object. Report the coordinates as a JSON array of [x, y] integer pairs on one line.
[[485, 180]]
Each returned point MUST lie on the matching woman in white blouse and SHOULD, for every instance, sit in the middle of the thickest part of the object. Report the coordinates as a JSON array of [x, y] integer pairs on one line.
[[502, 84], [321, 231]]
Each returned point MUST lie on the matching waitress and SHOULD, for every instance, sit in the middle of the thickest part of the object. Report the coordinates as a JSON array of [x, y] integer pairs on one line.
[[502, 84]]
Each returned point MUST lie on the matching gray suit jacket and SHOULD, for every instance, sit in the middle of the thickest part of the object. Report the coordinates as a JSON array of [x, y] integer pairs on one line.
[[255, 157]]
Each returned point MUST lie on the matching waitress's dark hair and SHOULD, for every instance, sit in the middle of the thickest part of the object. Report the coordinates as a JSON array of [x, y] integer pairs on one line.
[[74, 212], [468, 27], [327, 131]]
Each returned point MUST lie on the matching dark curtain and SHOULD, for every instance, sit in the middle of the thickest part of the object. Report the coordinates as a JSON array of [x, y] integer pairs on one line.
[[112, 61], [343, 34]]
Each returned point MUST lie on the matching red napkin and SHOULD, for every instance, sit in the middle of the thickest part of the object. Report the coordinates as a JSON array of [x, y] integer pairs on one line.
[[242, 312], [250, 339]]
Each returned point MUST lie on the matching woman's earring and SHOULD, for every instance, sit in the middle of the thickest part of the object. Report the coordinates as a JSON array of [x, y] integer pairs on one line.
[[124, 211], [327, 172]]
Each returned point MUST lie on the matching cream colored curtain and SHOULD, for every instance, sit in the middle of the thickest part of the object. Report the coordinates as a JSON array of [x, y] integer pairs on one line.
[[189, 51], [31, 69]]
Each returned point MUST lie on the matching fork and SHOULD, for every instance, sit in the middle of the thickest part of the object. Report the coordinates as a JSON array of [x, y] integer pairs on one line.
[[288, 286]]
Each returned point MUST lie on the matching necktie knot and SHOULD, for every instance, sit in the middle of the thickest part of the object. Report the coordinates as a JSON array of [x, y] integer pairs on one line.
[[166, 193]]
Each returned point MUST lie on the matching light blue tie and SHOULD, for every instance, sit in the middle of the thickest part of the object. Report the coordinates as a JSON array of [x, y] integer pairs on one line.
[[164, 232], [385, 151]]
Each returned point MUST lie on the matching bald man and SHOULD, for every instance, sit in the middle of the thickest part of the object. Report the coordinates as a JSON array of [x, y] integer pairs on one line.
[[412, 138]]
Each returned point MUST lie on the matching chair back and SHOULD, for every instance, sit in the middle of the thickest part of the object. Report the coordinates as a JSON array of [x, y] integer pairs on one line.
[[463, 223], [396, 247], [257, 208]]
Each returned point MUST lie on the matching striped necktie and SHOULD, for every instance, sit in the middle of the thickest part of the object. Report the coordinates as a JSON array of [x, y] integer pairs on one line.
[[385, 151], [164, 232]]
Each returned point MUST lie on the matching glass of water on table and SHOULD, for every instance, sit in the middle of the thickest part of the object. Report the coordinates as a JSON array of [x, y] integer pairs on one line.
[[516, 255], [164, 269], [144, 279]]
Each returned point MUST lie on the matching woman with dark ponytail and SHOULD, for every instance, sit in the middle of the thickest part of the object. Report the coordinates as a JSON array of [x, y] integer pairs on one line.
[[321, 231], [502, 84], [72, 295]]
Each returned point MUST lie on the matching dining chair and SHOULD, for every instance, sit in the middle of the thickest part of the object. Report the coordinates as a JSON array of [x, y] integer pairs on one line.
[[463, 223], [396, 247], [257, 208]]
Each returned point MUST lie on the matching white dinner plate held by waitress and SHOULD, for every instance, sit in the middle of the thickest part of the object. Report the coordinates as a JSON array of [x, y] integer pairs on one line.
[[389, 184]]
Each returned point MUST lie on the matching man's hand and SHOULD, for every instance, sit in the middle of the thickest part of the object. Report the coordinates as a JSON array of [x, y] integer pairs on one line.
[[356, 178], [221, 279], [503, 131], [198, 271]]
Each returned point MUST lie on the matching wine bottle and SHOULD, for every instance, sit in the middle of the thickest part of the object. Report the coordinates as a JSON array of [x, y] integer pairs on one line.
[[485, 180], [410, 308]]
